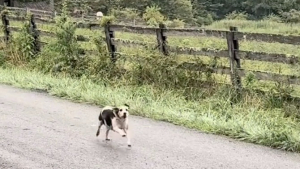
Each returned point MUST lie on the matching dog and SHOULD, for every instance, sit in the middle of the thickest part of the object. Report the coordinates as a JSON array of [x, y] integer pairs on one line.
[[115, 119]]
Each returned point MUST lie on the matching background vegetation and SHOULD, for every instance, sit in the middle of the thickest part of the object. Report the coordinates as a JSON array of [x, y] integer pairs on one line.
[[192, 12], [152, 84], [200, 12]]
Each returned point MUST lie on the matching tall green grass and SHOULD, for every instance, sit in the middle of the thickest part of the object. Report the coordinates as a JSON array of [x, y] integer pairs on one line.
[[261, 26]]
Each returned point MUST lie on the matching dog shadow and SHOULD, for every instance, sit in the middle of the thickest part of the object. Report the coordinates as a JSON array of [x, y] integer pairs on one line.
[[112, 146]]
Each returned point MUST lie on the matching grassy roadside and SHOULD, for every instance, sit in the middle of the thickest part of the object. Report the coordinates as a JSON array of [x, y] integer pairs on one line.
[[212, 115]]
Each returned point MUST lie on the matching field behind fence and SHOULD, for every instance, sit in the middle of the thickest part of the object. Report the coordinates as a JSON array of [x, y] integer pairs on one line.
[[230, 55]]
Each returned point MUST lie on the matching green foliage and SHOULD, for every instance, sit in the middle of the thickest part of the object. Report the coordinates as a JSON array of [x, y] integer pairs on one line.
[[272, 18], [278, 95], [176, 23], [152, 16], [106, 19], [176, 9], [293, 16], [63, 53], [206, 20], [82, 5], [21, 47], [250, 79], [2, 58], [126, 14], [190, 10], [237, 16]]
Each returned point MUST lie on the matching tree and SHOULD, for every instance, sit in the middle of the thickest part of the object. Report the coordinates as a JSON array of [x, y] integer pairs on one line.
[[153, 16], [126, 14], [293, 16]]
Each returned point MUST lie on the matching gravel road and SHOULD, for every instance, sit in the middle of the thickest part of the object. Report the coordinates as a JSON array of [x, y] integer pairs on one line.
[[39, 131]]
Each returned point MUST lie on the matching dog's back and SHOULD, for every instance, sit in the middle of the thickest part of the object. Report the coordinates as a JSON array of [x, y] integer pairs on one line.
[[106, 116]]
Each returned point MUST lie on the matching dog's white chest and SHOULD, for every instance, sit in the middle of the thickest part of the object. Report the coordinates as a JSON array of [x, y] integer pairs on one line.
[[121, 123]]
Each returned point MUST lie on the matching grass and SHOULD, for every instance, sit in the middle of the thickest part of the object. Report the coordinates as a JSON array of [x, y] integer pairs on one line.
[[262, 26], [212, 115]]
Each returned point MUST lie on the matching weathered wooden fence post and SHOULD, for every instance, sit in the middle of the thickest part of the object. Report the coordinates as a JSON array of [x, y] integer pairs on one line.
[[35, 33], [109, 34], [233, 48], [5, 24], [162, 39]]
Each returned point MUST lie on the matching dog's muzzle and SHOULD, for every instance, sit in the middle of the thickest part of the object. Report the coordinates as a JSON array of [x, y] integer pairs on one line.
[[125, 115]]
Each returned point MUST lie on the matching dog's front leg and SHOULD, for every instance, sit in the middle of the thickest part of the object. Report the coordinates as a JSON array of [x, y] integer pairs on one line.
[[126, 130], [116, 128], [106, 137]]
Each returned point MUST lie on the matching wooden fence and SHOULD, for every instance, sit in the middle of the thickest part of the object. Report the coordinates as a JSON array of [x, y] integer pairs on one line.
[[233, 53]]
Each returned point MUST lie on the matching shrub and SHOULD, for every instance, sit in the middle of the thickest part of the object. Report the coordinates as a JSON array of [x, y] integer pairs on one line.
[[293, 16], [152, 16], [205, 20], [21, 48], [237, 16], [2, 58], [272, 18], [63, 53], [176, 23], [125, 14], [105, 19]]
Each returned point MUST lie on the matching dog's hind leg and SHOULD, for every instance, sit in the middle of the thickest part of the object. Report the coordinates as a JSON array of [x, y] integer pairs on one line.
[[98, 131]]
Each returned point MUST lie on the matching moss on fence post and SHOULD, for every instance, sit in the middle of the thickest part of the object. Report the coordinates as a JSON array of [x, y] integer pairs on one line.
[[35, 33], [162, 39]]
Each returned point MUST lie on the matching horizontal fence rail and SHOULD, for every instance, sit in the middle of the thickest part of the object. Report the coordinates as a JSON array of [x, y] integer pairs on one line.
[[291, 39], [246, 55]]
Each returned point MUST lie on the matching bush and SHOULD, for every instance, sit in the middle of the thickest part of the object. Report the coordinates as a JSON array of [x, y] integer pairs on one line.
[[2, 58], [176, 23], [105, 19], [206, 20], [21, 48], [63, 53], [152, 16], [293, 16], [237, 16], [273, 18], [126, 14]]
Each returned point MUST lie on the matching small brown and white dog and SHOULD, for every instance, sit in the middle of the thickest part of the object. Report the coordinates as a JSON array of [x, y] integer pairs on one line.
[[115, 119]]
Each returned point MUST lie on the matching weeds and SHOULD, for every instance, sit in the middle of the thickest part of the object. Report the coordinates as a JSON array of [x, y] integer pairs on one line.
[[21, 48]]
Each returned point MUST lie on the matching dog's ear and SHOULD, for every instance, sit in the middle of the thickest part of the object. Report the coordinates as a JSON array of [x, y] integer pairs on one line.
[[127, 105], [116, 110]]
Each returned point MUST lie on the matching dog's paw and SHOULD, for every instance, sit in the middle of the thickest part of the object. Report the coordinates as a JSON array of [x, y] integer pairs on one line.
[[107, 139], [124, 135], [97, 134], [129, 145]]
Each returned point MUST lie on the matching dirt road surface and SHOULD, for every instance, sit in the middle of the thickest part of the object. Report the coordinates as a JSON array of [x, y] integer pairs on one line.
[[39, 131]]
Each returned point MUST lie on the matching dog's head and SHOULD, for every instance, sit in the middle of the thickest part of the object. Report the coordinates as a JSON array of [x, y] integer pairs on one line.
[[123, 111]]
